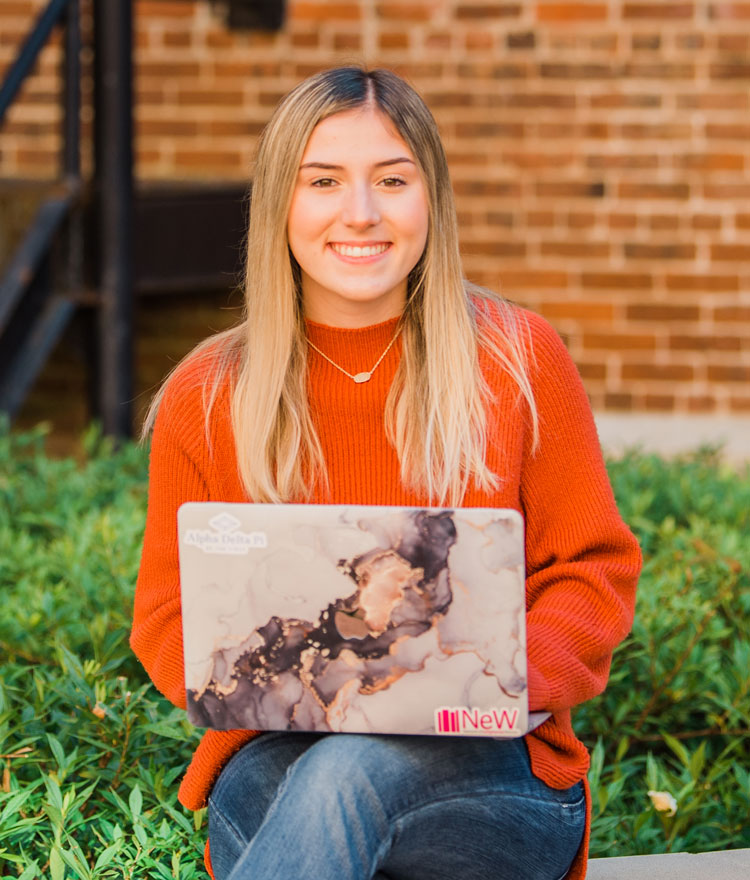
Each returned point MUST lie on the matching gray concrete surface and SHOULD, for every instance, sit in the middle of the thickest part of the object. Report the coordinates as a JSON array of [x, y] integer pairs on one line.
[[728, 865], [670, 434]]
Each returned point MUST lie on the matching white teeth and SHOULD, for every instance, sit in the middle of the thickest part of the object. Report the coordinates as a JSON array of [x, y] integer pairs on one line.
[[347, 250]]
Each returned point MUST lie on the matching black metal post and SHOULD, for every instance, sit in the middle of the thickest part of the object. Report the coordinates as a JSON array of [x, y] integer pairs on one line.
[[113, 38], [72, 93]]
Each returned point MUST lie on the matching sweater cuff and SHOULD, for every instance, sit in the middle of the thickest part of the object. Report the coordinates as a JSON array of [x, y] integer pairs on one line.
[[538, 689]]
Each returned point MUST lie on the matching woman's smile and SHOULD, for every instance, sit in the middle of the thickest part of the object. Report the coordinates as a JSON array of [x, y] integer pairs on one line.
[[358, 219]]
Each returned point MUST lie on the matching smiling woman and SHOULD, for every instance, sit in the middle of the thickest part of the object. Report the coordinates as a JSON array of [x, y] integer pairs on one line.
[[358, 220], [368, 371]]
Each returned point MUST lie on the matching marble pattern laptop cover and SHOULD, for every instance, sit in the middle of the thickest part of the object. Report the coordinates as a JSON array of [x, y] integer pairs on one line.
[[352, 618]]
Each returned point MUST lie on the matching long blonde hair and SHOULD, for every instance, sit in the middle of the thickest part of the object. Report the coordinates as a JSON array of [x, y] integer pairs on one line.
[[436, 409]]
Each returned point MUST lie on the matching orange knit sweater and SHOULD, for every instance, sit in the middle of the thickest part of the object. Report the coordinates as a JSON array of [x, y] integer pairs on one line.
[[582, 561]]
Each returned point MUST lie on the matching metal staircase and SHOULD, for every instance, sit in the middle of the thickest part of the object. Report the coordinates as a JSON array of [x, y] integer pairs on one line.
[[44, 279]]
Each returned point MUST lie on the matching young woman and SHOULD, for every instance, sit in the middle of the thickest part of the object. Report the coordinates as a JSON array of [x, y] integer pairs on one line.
[[368, 371]]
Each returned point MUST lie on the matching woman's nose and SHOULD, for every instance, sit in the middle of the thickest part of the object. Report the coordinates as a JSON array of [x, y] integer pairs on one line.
[[360, 209]]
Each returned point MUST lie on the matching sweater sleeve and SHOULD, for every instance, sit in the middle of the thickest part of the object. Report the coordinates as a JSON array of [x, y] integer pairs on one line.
[[583, 562], [175, 476]]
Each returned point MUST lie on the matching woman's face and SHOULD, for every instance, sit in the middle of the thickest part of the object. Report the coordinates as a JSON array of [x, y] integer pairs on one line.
[[358, 220]]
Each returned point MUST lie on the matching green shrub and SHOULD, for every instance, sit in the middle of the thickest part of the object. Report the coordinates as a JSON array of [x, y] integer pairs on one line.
[[92, 754]]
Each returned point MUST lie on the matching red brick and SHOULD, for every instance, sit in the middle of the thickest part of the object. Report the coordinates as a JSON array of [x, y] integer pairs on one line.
[[731, 11], [208, 159], [494, 248], [701, 403], [728, 131], [535, 279], [664, 222], [706, 221], [690, 41], [167, 69], [233, 127], [310, 39], [734, 70], [210, 97], [151, 10], [659, 70], [591, 371], [622, 221], [560, 70], [580, 220], [712, 161], [733, 42], [489, 129], [638, 251], [571, 189], [735, 314], [499, 218], [658, 372], [577, 311], [491, 11], [486, 188], [616, 281], [618, 400], [658, 402], [479, 40], [405, 11], [326, 11], [730, 252], [661, 312], [541, 100], [629, 161], [541, 219], [713, 101], [585, 249], [698, 283], [393, 40], [653, 190], [565, 12], [739, 403], [649, 42], [615, 341], [622, 100], [726, 192], [177, 39], [654, 10], [659, 131], [724, 373], [705, 342]]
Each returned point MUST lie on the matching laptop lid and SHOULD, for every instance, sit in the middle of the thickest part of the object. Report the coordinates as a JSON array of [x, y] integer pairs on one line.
[[354, 618]]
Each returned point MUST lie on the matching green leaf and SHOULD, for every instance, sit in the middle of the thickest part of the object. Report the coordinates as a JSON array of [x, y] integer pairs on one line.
[[135, 802], [678, 748], [56, 864]]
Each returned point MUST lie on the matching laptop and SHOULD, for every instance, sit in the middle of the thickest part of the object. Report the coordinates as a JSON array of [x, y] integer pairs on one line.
[[351, 618]]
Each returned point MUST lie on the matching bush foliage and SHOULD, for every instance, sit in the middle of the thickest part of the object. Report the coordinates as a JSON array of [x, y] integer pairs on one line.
[[91, 754]]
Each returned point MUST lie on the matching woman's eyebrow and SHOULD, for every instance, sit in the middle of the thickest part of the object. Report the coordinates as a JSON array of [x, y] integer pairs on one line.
[[328, 167]]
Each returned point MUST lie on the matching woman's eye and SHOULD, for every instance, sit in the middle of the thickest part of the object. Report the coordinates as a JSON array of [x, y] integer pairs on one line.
[[394, 181], [324, 182]]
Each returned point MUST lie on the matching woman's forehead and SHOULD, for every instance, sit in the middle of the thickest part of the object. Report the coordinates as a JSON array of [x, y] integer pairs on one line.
[[352, 136]]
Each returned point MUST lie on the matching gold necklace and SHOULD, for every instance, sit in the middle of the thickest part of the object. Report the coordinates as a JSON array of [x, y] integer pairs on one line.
[[359, 378]]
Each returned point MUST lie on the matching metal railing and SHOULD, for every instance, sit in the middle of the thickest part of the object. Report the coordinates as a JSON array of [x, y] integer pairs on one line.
[[43, 280], [33, 314]]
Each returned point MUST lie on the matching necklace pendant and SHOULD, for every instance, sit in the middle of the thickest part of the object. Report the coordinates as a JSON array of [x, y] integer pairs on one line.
[[362, 377]]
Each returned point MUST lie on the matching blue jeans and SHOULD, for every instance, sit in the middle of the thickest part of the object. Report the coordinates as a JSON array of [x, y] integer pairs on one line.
[[298, 806]]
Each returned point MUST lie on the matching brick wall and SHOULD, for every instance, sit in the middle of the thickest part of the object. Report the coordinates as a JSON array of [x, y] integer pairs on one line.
[[599, 153]]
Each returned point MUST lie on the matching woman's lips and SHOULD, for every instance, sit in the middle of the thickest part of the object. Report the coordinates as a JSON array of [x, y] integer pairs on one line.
[[359, 252]]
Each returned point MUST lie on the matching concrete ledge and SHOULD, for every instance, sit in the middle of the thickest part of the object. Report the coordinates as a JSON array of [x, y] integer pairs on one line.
[[669, 434], [727, 865]]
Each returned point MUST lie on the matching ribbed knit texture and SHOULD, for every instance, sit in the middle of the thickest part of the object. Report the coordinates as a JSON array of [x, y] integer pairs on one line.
[[582, 561]]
